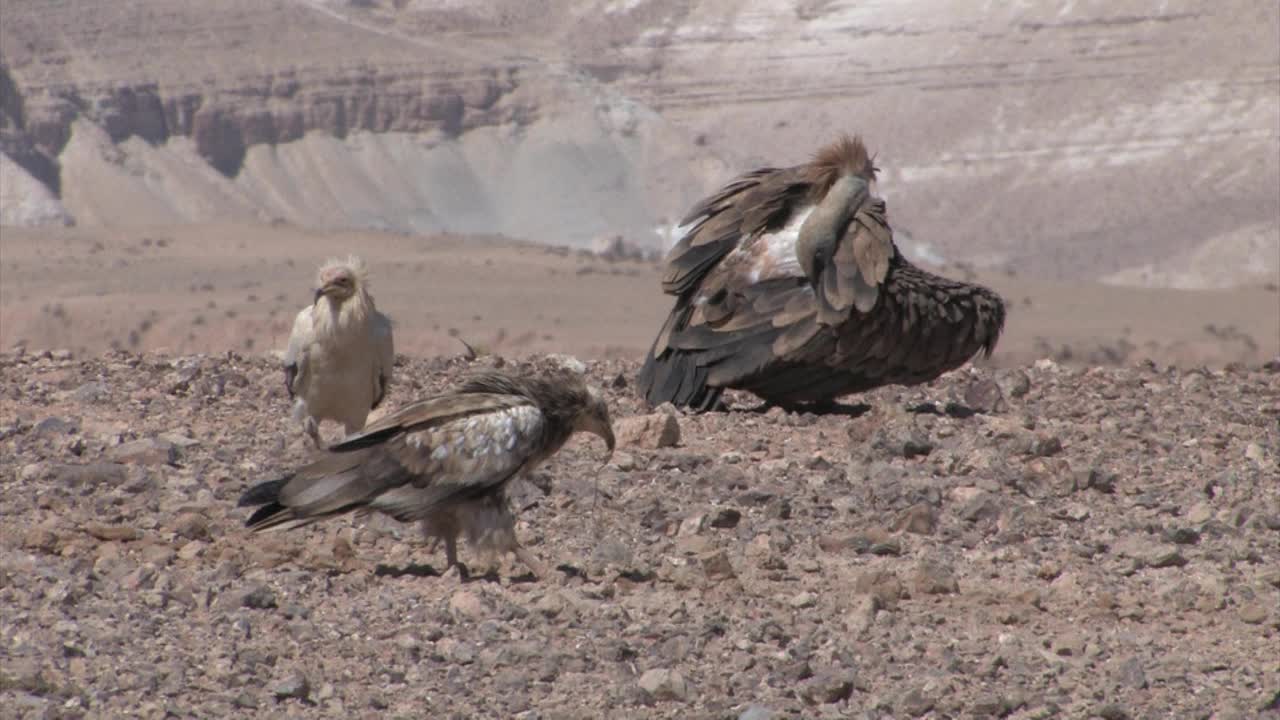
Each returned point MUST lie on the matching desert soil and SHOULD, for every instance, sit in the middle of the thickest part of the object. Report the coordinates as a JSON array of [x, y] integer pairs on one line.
[[1031, 542], [217, 287]]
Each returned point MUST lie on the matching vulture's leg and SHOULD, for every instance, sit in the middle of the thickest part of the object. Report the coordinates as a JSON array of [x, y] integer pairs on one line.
[[312, 428], [450, 550]]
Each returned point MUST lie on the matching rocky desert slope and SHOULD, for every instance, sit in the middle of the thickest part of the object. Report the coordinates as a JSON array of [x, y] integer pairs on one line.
[[1066, 140], [1026, 543]]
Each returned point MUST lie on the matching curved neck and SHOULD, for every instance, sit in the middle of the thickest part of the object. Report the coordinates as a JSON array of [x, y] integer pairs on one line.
[[828, 220]]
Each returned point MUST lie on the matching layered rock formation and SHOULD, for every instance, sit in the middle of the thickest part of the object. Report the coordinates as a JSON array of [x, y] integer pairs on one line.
[[1070, 140]]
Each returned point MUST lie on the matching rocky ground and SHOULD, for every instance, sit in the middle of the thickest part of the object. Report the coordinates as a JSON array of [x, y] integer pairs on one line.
[[1027, 543]]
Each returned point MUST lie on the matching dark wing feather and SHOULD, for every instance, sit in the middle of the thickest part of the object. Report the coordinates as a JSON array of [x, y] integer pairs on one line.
[[436, 452], [851, 274], [290, 374], [757, 200], [733, 217], [427, 413]]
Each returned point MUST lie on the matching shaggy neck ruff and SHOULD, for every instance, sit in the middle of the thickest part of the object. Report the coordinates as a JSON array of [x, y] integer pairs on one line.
[[338, 317]]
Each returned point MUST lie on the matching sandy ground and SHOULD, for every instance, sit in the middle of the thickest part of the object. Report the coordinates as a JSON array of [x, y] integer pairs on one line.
[[1089, 543], [213, 288]]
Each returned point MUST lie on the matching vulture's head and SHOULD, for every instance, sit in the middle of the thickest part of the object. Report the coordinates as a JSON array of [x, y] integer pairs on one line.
[[594, 417], [341, 279]]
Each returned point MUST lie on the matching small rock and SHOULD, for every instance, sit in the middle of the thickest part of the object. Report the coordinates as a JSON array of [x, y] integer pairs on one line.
[[91, 392], [932, 578], [1254, 613], [915, 703], [54, 427], [664, 684], [756, 712], [862, 614], [259, 598], [61, 354], [190, 525], [567, 362], [1184, 536], [40, 539], [1166, 559], [982, 506], [984, 396], [550, 605], [181, 439], [90, 475], [1112, 711], [192, 549], [1101, 480], [1045, 446], [652, 431], [716, 565], [883, 585], [467, 604], [294, 685], [802, 600], [1129, 673], [827, 688], [624, 462], [692, 525], [1013, 383], [919, 519], [102, 531], [1200, 513], [1069, 644], [158, 555], [148, 451]]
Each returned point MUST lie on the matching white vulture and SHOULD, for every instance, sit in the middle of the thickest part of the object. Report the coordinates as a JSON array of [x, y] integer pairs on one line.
[[788, 285], [445, 461], [341, 351]]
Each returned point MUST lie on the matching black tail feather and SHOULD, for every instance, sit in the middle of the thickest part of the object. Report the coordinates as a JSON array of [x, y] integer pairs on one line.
[[262, 517], [263, 493]]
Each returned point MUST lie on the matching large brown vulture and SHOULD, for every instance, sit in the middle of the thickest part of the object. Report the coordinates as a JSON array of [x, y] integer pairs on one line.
[[444, 461], [788, 285]]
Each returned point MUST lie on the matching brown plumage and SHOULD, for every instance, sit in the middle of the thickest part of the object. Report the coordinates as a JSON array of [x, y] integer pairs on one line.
[[788, 285], [444, 461]]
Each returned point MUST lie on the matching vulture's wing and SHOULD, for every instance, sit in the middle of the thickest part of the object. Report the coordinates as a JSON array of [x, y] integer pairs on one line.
[[701, 271], [295, 357], [386, 357], [854, 275], [434, 452], [723, 221], [756, 312]]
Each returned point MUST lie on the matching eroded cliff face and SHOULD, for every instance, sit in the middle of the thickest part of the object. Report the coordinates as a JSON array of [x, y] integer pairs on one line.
[[159, 112], [1068, 140], [270, 109]]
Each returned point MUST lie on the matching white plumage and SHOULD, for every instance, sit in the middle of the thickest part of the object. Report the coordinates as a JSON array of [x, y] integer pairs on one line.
[[341, 351]]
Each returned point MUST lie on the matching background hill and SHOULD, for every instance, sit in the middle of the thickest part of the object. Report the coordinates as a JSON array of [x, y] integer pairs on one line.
[[1075, 141]]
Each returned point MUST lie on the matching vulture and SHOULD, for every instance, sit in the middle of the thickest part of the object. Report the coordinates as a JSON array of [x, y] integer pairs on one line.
[[444, 461], [340, 351], [788, 285]]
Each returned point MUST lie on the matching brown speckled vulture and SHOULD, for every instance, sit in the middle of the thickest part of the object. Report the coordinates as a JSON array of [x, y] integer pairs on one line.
[[444, 461], [788, 285]]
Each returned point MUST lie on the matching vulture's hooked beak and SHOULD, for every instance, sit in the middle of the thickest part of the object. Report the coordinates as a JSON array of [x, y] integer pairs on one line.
[[605, 432], [324, 290]]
